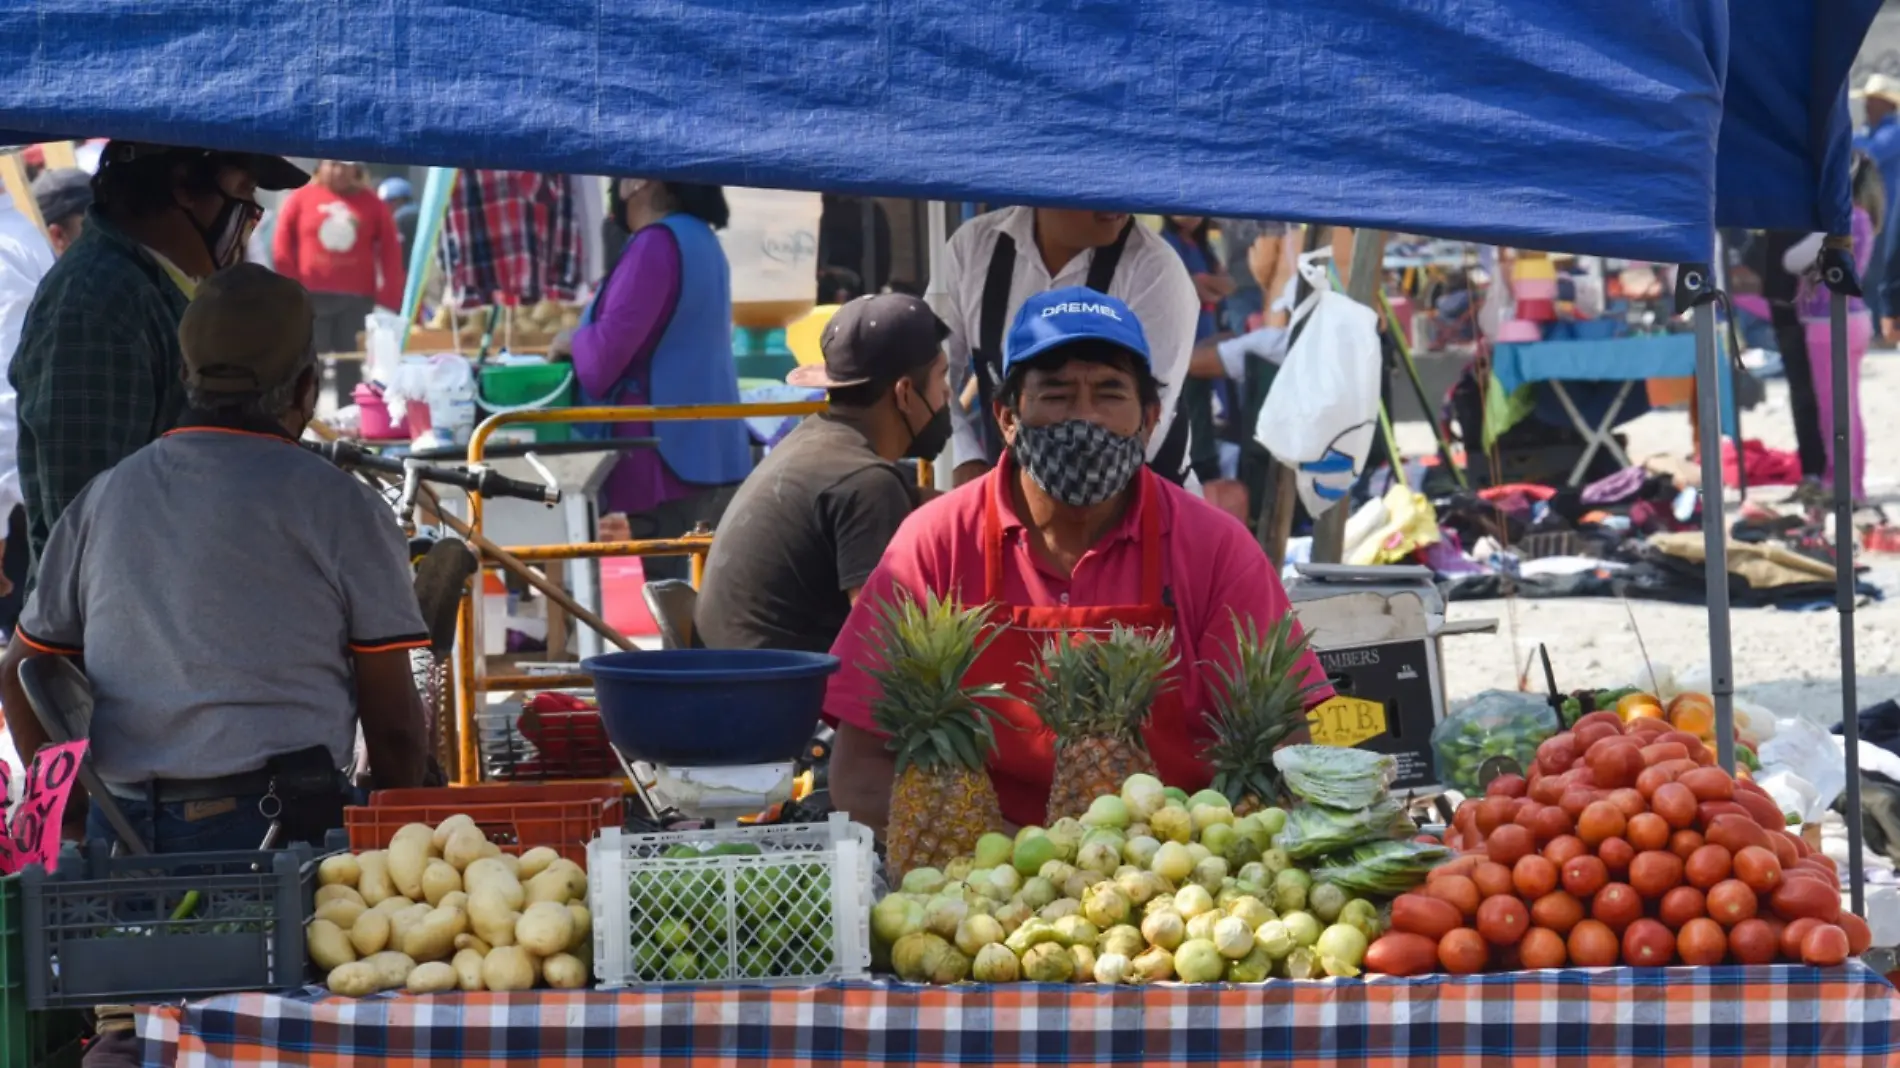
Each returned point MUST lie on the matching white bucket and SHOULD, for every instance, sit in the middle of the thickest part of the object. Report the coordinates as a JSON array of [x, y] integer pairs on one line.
[[771, 243]]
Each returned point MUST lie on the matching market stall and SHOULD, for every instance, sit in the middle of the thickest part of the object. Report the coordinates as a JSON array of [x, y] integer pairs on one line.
[[1661, 102]]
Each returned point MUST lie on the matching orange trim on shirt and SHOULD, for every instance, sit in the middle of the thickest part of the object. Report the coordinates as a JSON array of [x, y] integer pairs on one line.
[[387, 647], [226, 430], [46, 647]]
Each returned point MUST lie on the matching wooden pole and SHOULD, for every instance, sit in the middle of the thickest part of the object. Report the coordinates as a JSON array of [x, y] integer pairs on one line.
[[1363, 274], [13, 176], [1275, 524]]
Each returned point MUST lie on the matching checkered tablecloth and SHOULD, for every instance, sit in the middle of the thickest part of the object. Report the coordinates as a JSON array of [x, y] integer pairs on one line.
[[1685, 1018]]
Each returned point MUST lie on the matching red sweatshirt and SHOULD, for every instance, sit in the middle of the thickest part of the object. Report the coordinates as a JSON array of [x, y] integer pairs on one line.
[[340, 244]]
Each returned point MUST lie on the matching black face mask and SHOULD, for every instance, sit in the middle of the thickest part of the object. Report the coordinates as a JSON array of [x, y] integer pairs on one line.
[[928, 443], [226, 236]]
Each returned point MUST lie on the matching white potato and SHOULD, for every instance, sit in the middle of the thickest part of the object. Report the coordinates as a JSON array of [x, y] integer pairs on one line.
[[354, 980], [329, 947], [583, 926], [469, 941], [536, 860], [440, 838], [342, 913], [439, 880], [464, 847], [490, 872], [370, 933], [545, 929], [508, 968], [408, 855], [338, 870], [490, 917], [456, 899], [432, 977], [337, 892], [468, 969], [374, 882], [434, 937], [576, 878], [564, 972], [549, 886], [392, 968]]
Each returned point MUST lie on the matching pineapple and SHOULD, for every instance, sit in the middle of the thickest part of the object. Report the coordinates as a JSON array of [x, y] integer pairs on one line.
[[1258, 704], [1096, 695], [941, 731]]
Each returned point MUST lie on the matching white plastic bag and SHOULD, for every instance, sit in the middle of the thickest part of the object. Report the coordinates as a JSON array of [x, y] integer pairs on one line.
[[1320, 414]]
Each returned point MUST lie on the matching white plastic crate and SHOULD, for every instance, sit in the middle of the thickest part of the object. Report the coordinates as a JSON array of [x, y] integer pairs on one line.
[[799, 912]]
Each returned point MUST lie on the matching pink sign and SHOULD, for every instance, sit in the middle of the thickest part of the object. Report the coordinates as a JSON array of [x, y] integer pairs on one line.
[[32, 836]]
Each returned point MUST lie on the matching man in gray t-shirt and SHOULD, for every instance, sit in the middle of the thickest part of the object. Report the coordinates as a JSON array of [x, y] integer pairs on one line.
[[236, 599]]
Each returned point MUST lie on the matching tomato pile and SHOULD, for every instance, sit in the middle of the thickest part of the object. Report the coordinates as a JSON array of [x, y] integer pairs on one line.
[[1624, 846]]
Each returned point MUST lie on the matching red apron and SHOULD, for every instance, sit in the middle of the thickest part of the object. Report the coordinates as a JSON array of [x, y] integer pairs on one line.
[[1023, 763]]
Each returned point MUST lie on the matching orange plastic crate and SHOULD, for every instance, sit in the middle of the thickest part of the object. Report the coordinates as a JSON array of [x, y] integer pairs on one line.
[[563, 816]]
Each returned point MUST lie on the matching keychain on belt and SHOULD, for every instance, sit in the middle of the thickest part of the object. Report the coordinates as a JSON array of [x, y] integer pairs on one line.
[[271, 807]]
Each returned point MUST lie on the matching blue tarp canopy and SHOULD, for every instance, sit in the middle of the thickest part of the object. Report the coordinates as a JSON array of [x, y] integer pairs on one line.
[[1589, 125]]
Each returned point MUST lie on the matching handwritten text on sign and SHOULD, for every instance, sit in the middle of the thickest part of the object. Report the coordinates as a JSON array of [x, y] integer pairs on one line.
[[1346, 721], [32, 836]]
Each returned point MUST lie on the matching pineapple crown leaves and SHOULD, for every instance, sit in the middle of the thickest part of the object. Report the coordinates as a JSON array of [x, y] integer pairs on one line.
[[1259, 702], [924, 652], [1107, 687]]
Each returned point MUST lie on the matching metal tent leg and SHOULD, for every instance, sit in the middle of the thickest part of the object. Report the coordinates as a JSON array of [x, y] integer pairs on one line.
[[1844, 591], [1695, 281]]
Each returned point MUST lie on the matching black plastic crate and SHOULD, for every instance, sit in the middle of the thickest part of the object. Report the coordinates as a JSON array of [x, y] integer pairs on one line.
[[101, 930]]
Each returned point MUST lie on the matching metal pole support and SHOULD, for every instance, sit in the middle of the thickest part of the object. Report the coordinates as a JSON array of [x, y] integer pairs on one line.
[[1837, 271], [1695, 289]]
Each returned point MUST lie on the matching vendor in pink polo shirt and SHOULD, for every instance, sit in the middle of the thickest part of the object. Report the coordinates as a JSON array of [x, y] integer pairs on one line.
[[1071, 532]]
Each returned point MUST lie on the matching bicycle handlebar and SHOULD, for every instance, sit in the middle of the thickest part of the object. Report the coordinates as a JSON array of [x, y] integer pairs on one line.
[[346, 454]]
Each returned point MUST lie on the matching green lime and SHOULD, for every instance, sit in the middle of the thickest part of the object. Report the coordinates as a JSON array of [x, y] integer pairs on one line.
[[734, 849], [682, 967], [649, 961], [672, 934], [757, 962], [682, 852], [758, 900]]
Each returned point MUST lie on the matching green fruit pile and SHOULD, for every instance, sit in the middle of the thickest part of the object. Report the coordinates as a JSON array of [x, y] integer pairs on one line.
[[779, 912], [1149, 885]]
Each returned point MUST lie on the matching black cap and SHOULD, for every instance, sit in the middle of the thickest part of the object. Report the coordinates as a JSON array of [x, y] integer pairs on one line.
[[62, 192], [875, 339], [274, 173]]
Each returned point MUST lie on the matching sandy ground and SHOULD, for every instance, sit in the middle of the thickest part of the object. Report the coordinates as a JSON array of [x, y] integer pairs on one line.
[[1787, 661]]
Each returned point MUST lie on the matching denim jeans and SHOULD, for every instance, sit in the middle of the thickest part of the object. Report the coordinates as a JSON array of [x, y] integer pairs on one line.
[[196, 827]]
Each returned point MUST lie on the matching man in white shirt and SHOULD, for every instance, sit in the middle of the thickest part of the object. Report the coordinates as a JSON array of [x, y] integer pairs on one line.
[[25, 257], [1049, 248]]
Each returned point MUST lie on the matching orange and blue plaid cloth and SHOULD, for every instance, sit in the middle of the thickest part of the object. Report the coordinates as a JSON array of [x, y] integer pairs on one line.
[[1686, 1018]]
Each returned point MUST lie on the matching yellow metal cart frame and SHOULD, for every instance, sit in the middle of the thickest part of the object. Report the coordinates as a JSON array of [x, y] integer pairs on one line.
[[471, 675]]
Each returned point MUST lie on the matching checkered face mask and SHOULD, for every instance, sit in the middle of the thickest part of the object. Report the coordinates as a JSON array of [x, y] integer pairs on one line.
[[1077, 462]]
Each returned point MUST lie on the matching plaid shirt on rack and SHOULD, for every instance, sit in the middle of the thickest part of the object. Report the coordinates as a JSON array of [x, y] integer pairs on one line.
[[97, 370], [513, 233], [1686, 1018]]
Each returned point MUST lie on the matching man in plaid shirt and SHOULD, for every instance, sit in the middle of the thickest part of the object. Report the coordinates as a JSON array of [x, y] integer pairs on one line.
[[98, 369]]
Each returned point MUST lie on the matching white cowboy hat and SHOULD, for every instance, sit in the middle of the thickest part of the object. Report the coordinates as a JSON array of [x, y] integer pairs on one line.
[[1884, 86]]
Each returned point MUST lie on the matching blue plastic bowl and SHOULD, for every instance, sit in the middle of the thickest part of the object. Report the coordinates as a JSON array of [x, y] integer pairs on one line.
[[700, 707]]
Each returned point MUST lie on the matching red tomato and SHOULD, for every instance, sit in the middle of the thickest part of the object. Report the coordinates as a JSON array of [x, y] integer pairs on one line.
[[1655, 873], [1617, 906], [1584, 875], [1592, 945], [1681, 905], [1648, 944], [1753, 942], [1702, 942], [1503, 919], [1731, 902]]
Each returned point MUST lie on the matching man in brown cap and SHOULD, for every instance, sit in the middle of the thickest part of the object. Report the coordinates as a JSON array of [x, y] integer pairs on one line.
[[279, 617], [810, 523]]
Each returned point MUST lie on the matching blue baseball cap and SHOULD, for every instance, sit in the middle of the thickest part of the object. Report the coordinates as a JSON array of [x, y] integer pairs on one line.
[[1065, 316]]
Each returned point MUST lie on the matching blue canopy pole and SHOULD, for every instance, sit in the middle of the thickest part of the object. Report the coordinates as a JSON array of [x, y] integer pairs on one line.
[[1837, 270], [431, 213]]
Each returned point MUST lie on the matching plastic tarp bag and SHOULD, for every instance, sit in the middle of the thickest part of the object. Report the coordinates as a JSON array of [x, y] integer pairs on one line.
[[1495, 723], [1334, 776], [1323, 407], [1803, 768], [1315, 830]]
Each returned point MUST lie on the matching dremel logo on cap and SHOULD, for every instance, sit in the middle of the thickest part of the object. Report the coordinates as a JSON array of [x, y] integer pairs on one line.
[[1081, 308]]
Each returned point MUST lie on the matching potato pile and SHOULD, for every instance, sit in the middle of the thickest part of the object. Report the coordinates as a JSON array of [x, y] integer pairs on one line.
[[444, 909]]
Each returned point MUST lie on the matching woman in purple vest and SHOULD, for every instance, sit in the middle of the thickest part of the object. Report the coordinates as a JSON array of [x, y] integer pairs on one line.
[[660, 332]]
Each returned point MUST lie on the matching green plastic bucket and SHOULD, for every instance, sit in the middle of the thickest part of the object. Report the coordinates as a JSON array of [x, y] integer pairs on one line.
[[519, 387]]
